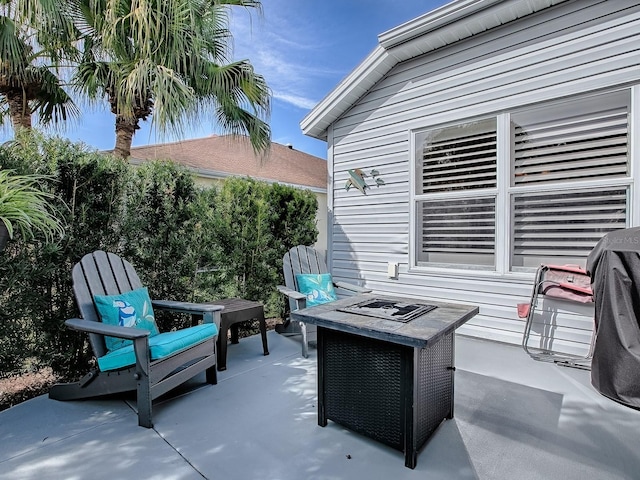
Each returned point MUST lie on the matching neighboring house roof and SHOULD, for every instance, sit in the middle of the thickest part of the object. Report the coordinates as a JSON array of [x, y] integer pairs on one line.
[[222, 156], [443, 26]]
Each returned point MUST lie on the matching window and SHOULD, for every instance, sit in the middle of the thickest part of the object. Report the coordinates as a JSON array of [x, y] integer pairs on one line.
[[456, 169], [568, 183], [563, 227]]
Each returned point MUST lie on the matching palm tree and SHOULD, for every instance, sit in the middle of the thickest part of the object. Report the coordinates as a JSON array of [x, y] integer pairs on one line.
[[169, 60], [34, 37]]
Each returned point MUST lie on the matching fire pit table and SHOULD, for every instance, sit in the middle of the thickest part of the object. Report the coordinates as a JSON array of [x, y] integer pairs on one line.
[[386, 366]]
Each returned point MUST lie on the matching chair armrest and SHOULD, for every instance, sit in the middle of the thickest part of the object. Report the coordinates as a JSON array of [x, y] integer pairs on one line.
[[299, 298], [128, 333], [139, 336], [209, 311], [352, 288], [293, 294], [186, 307]]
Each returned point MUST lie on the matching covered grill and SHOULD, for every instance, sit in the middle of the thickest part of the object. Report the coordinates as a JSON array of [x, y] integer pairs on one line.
[[614, 267]]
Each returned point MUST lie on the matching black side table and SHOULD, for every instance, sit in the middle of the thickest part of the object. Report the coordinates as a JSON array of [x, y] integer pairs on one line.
[[237, 310]]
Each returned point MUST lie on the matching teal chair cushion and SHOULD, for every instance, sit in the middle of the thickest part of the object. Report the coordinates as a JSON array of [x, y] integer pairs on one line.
[[129, 309], [160, 346], [318, 287]]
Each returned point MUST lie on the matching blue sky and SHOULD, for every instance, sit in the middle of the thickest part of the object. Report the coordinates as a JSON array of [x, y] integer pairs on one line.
[[303, 48]]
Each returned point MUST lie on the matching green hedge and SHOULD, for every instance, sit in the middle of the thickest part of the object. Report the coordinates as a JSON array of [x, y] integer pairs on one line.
[[186, 242], [254, 225], [35, 283]]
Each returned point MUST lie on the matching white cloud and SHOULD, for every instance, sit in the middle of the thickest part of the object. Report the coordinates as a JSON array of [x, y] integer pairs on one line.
[[285, 52], [295, 100]]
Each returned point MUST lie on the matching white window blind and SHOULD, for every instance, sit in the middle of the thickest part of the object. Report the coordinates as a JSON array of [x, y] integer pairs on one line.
[[554, 147], [457, 231], [569, 184], [584, 140], [461, 157], [563, 227]]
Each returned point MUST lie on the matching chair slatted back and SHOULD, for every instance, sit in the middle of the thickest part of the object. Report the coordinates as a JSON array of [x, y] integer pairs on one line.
[[101, 273], [301, 259]]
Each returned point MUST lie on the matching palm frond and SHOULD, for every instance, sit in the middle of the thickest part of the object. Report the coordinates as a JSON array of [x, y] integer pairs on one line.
[[172, 100], [239, 81], [14, 52], [52, 103], [93, 78], [238, 121], [25, 207]]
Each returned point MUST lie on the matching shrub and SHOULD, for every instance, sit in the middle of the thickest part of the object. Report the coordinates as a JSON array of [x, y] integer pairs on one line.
[[24, 206], [35, 285], [186, 243], [161, 234], [255, 224]]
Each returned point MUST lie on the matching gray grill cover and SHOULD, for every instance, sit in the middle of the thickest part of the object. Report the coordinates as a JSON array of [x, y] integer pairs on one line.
[[614, 267]]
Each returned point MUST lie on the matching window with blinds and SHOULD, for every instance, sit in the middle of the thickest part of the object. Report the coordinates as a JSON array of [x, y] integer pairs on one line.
[[458, 231], [462, 157], [555, 147], [566, 143], [563, 227], [569, 184], [457, 164]]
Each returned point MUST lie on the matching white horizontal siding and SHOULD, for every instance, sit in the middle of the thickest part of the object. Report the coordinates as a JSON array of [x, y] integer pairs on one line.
[[373, 146], [365, 209], [572, 48], [373, 229], [529, 31], [366, 219], [485, 91], [391, 194], [498, 57]]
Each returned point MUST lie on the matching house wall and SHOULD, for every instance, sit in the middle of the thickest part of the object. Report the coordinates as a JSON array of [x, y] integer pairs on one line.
[[321, 222], [572, 48]]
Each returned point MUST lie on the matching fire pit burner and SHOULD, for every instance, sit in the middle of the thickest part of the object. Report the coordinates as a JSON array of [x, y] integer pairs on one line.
[[389, 309]]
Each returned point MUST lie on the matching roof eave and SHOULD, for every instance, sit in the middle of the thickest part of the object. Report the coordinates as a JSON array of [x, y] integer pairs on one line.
[[445, 15], [348, 91]]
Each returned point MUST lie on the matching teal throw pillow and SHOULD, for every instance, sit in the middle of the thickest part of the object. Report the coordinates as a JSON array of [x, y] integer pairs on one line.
[[318, 287], [129, 309]]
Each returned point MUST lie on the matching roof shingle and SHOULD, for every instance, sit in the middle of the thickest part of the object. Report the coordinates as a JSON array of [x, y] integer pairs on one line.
[[223, 155]]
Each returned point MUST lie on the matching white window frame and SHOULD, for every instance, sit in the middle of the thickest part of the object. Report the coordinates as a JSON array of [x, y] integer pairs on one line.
[[442, 268], [633, 208], [503, 227]]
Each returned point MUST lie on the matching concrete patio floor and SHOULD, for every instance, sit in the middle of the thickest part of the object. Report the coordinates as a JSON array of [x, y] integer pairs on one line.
[[515, 418]]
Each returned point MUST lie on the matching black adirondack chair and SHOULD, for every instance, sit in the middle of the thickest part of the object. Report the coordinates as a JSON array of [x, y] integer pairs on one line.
[[300, 260], [101, 273]]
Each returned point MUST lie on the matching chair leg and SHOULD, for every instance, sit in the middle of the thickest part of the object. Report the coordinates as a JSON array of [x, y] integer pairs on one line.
[[144, 401], [305, 345], [221, 346], [288, 328], [211, 375], [263, 334]]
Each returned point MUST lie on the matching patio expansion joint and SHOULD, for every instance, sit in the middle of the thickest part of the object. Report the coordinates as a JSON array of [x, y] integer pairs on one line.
[[186, 460]]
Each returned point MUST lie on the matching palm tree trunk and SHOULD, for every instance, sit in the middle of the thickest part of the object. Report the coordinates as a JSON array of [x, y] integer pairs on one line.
[[19, 109], [125, 129]]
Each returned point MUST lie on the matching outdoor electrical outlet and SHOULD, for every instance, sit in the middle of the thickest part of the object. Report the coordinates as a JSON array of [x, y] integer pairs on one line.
[[392, 269]]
